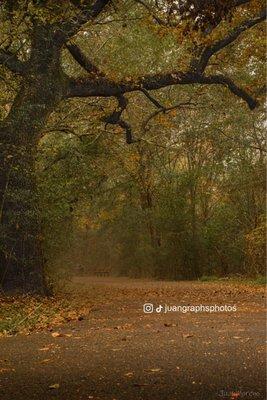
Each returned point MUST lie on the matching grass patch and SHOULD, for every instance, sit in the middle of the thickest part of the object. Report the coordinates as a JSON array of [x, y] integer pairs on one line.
[[260, 280], [24, 314]]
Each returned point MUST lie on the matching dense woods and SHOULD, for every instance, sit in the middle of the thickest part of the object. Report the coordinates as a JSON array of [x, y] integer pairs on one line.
[[132, 139]]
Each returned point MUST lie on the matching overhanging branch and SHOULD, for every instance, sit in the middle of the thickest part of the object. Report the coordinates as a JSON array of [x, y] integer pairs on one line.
[[103, 87], [236, 90]]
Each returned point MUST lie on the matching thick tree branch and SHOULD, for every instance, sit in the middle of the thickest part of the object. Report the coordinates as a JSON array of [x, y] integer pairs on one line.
[[236, 90], [103, 87], [11, 61], [200, 64], [82, 59], [116, 119]]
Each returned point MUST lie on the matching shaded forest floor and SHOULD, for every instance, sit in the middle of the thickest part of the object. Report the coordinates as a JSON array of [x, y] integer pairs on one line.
[[103, 346]]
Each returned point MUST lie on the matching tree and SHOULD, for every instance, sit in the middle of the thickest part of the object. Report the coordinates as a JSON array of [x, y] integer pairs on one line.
[[35, 38]]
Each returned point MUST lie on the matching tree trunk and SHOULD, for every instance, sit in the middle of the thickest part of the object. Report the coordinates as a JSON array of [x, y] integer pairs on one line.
[[21, 253], [21, 244], [195, 253]]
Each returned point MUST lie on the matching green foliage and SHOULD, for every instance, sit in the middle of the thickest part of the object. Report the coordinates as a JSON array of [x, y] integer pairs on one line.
[[256, 249], [260, 280], [180, 207]]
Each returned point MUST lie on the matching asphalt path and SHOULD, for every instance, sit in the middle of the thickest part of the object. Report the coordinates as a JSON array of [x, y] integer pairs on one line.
[[119, 352]]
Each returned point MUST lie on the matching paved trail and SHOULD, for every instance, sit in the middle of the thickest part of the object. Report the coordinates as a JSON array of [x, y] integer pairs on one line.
[[118, 352]]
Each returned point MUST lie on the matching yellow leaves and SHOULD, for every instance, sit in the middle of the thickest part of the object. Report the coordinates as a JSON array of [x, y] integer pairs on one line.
[[54, 386], [104, 215]]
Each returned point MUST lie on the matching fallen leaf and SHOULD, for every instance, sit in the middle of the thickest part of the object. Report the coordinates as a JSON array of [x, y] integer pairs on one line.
[[57, 334], [54, 386], [46, 360], [187, 335], [129, 374], [154, 370], [44, 349]]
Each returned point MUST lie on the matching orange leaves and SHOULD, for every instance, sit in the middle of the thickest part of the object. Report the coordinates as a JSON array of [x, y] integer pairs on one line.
[[166, 121]]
